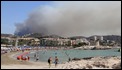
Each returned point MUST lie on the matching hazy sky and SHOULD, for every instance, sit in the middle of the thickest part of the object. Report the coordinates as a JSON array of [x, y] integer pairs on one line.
[[62, 18]]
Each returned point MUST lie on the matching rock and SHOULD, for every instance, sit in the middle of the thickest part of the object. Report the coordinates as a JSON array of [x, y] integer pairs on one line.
[[98, 64], [95, 62], [89, 66], [76, 59], [84, 68], [87, 58], [116, 66]]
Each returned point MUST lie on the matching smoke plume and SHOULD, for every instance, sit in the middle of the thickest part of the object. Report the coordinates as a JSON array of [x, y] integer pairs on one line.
[[73, 19]]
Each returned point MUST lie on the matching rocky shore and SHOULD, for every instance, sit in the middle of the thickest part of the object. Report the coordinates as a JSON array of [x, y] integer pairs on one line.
[[94, 63], [96, 48]]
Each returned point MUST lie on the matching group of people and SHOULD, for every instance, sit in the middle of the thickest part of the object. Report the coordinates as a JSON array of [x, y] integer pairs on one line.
[[50, 61]]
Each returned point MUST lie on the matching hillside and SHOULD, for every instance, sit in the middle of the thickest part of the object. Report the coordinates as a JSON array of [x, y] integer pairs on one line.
[[53, 36], [35, 35], [115, 38], [7, 35], [39, 35], [76, 37]]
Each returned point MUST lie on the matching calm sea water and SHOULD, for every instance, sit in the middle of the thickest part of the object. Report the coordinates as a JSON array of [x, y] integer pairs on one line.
[[63, 55]]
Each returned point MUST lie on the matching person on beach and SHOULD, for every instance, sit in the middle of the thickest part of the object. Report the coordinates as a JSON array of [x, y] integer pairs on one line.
[[23, 50], [34, 55], [37, 57], [56, 61], [69, 59], [49, 61], [26, 57]]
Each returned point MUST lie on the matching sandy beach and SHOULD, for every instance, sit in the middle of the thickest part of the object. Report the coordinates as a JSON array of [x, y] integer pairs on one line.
[[9, 62]]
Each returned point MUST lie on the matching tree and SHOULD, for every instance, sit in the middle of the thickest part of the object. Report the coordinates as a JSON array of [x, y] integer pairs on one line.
[[5, 41], [28, 42], [22, 42], [82, 44], [68, 44], [75, 45], [79, 44], [13, 43]]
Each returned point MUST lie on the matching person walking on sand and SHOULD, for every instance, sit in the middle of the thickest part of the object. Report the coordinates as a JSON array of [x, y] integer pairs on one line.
[[56, 61], [49, 61], [37, 57]]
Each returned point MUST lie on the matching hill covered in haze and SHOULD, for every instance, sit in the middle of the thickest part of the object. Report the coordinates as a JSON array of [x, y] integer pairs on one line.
[[116, 38]]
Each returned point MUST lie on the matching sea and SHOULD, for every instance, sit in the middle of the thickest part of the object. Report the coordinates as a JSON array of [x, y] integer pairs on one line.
[[63, 55]]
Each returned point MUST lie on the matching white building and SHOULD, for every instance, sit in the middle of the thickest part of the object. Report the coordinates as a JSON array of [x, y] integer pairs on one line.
[[95, 38], [101, 38]]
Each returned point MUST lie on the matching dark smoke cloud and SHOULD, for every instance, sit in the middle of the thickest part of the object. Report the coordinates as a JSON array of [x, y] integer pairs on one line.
[[73, 19]]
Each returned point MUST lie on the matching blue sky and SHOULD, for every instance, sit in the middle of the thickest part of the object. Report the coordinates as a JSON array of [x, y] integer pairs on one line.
[[17, 11]]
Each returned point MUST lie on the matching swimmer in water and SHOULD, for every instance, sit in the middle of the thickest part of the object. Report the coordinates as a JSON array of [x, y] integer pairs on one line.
[[56, 53]]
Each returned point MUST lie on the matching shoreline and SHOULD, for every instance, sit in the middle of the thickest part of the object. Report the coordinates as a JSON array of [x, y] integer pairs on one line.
[[96, 48], [84, 63]]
